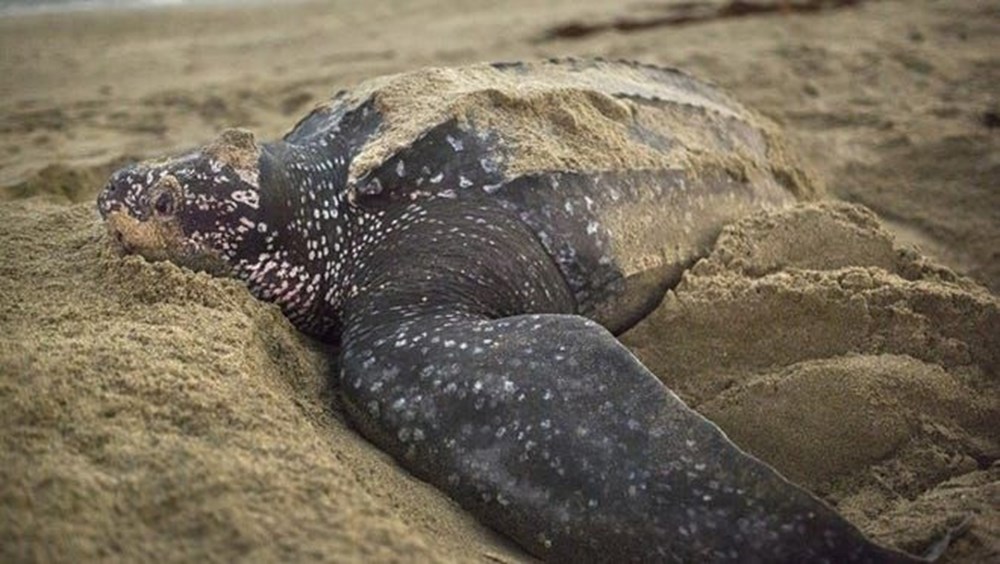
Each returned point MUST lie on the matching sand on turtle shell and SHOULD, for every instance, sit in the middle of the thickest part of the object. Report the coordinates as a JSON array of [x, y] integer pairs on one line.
[[147, 412], [590, 111]]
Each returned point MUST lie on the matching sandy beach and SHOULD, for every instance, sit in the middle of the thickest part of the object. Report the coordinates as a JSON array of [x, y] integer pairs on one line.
[[149, 412]]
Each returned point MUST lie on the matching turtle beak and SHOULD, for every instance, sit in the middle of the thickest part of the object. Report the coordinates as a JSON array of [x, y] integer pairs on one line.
[[158, 240], [155, 240], [119, 225]]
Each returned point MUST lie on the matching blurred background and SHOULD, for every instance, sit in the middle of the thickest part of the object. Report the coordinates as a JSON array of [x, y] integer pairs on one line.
[[893, 103]]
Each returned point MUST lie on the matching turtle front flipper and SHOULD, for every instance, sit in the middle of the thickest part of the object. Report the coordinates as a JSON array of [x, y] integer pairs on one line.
[[550, 431]]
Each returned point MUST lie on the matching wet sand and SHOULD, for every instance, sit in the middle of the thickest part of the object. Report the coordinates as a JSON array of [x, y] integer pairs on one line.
[[149, 412]]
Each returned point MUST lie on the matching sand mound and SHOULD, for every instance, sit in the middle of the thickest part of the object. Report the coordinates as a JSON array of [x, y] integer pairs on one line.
[[855, 367], [150, 412], [154, 414]]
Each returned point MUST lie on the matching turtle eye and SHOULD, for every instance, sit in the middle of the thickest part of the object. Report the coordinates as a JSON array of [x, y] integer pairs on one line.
[[164, 203]]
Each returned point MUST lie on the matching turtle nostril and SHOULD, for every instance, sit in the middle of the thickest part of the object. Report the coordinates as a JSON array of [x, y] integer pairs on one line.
[[119, 238]]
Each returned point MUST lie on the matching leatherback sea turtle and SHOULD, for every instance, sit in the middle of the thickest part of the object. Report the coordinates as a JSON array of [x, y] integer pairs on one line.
[[473, 238]]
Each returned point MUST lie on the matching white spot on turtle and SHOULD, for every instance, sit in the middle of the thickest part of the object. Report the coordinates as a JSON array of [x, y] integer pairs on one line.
[[488, 165], [456, 144], [247, 197]]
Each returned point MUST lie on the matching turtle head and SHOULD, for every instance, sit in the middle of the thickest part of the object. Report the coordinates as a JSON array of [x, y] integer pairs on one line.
[[198, 209]]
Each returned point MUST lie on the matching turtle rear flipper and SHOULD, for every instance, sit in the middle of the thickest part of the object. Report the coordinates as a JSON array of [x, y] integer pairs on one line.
[[542, 424], [550, 431]]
